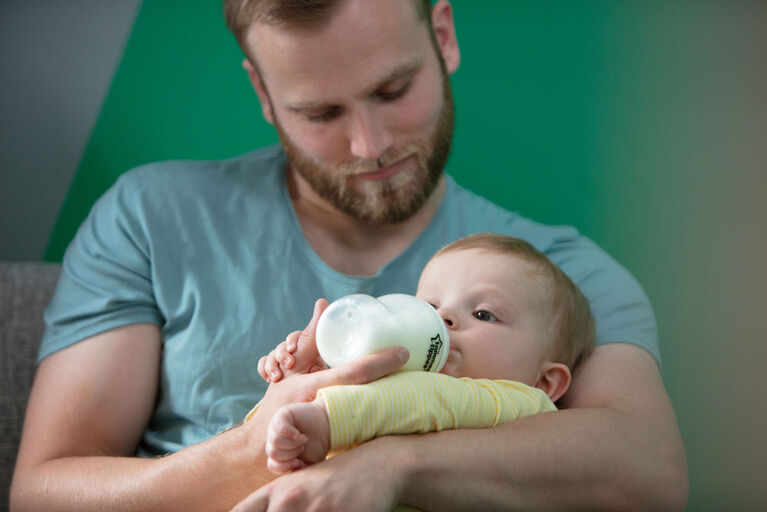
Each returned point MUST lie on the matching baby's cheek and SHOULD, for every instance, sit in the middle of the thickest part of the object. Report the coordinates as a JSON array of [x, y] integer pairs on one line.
[[450, 369]]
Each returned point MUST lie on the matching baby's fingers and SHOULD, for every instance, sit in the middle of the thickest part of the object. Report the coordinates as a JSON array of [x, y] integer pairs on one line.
[[282, 467], [262, 370], [291, 342], [272, 367], [284, 442], [283, 357]]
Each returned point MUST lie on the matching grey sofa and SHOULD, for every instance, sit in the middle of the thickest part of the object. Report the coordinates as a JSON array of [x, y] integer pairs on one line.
[[25, 289]]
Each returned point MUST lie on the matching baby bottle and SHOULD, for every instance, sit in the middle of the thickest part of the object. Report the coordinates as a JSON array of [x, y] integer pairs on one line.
[[357, 325]]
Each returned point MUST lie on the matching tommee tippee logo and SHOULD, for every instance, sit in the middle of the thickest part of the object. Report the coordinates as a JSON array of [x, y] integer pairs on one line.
[[434, 349]]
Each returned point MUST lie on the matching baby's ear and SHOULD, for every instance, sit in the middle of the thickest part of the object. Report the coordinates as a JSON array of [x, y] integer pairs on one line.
[[554, 380]]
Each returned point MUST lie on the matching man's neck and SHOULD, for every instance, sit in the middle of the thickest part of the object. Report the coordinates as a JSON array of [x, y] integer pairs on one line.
[[347, 244]]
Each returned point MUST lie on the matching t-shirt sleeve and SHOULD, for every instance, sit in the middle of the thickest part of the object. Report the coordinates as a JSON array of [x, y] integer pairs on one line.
[[106, 277]]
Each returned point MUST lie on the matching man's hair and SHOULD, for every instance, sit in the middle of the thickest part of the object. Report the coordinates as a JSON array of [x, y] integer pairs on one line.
[[572, 329], [290, 14]]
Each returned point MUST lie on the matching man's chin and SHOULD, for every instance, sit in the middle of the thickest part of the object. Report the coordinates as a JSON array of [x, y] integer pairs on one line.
[[388, 201]]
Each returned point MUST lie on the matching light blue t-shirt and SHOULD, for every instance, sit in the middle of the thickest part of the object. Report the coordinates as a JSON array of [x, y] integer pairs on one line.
[[213, 253]]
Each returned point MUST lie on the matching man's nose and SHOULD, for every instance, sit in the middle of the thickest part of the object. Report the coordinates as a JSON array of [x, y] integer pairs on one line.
[[369, 136]]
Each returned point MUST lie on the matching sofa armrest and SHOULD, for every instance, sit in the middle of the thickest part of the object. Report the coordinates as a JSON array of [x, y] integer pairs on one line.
[[25, 289]]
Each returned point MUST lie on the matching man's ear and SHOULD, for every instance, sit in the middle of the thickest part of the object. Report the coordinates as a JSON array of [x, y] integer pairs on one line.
[[258, 86], [554, 380], [444, 31]]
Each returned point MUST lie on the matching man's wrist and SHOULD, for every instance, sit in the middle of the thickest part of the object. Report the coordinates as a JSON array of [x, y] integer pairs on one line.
[[398, 455]]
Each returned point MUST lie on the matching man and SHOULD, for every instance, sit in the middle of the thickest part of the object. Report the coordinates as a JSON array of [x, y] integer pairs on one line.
[[186, 273]]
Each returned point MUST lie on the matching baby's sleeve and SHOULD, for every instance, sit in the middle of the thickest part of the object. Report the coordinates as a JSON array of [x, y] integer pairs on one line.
[[419, 402]]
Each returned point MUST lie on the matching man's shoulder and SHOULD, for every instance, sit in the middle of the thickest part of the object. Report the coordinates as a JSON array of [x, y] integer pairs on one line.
[[576, 253], [475, 213], [168, 175], [164, 192]]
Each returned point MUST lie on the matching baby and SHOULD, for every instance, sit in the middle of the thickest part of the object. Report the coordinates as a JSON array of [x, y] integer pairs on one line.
[[518, 327]]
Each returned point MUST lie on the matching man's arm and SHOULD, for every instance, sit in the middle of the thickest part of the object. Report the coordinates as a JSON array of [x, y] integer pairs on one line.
[[89, 406], [616, 446]]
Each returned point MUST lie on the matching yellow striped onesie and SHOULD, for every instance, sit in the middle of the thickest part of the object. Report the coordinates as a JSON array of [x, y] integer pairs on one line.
[[418, 402]]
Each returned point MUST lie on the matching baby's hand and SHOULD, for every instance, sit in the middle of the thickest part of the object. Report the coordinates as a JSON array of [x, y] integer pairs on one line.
[[283, 361], [298, 435], [297, 354], [280, 361]]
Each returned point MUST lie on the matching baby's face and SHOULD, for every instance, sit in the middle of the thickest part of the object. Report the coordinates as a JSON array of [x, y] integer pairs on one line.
[[492, 304]]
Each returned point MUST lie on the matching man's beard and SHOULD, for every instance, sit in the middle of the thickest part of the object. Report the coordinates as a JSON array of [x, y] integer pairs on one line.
[[390, 200]]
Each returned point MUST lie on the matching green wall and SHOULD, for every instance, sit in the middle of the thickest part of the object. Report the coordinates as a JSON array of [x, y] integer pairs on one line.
[[530, 76], [642, 123]]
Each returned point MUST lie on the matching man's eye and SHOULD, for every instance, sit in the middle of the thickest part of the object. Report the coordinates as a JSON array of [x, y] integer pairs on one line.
[[485, 316], [325, 116], [387, 95]]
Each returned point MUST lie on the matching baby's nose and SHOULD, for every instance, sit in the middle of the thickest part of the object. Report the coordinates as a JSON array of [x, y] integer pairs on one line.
[[448, 318]]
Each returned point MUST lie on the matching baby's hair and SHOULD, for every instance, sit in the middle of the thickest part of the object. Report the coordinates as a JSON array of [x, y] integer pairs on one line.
[[572, 328]]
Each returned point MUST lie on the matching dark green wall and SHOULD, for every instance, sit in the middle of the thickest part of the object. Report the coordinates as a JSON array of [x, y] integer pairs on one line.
[[527, 100]]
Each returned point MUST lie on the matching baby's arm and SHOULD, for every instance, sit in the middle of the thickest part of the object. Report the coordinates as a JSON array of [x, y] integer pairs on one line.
[[418, 402], [402, 403]]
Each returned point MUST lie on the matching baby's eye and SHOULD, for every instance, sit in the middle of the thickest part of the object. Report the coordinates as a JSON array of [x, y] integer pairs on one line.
[[485, 316]]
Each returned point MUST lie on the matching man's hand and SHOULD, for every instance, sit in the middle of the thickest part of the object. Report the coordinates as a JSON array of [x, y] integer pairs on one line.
[[617, 433], [345, 482], [303, 388], [90, 404]]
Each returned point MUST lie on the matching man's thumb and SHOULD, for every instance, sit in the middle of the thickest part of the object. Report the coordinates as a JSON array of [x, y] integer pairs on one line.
[[364, 369], [311, 329]]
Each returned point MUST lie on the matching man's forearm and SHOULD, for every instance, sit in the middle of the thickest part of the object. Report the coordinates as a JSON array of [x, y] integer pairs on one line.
[[582, 459], [213, 475], [616, 445]]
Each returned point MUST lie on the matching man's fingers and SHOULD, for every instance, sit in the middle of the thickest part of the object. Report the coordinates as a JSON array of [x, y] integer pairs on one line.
[[364, 369], [258, 501], [310, 330], [306, 344]]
